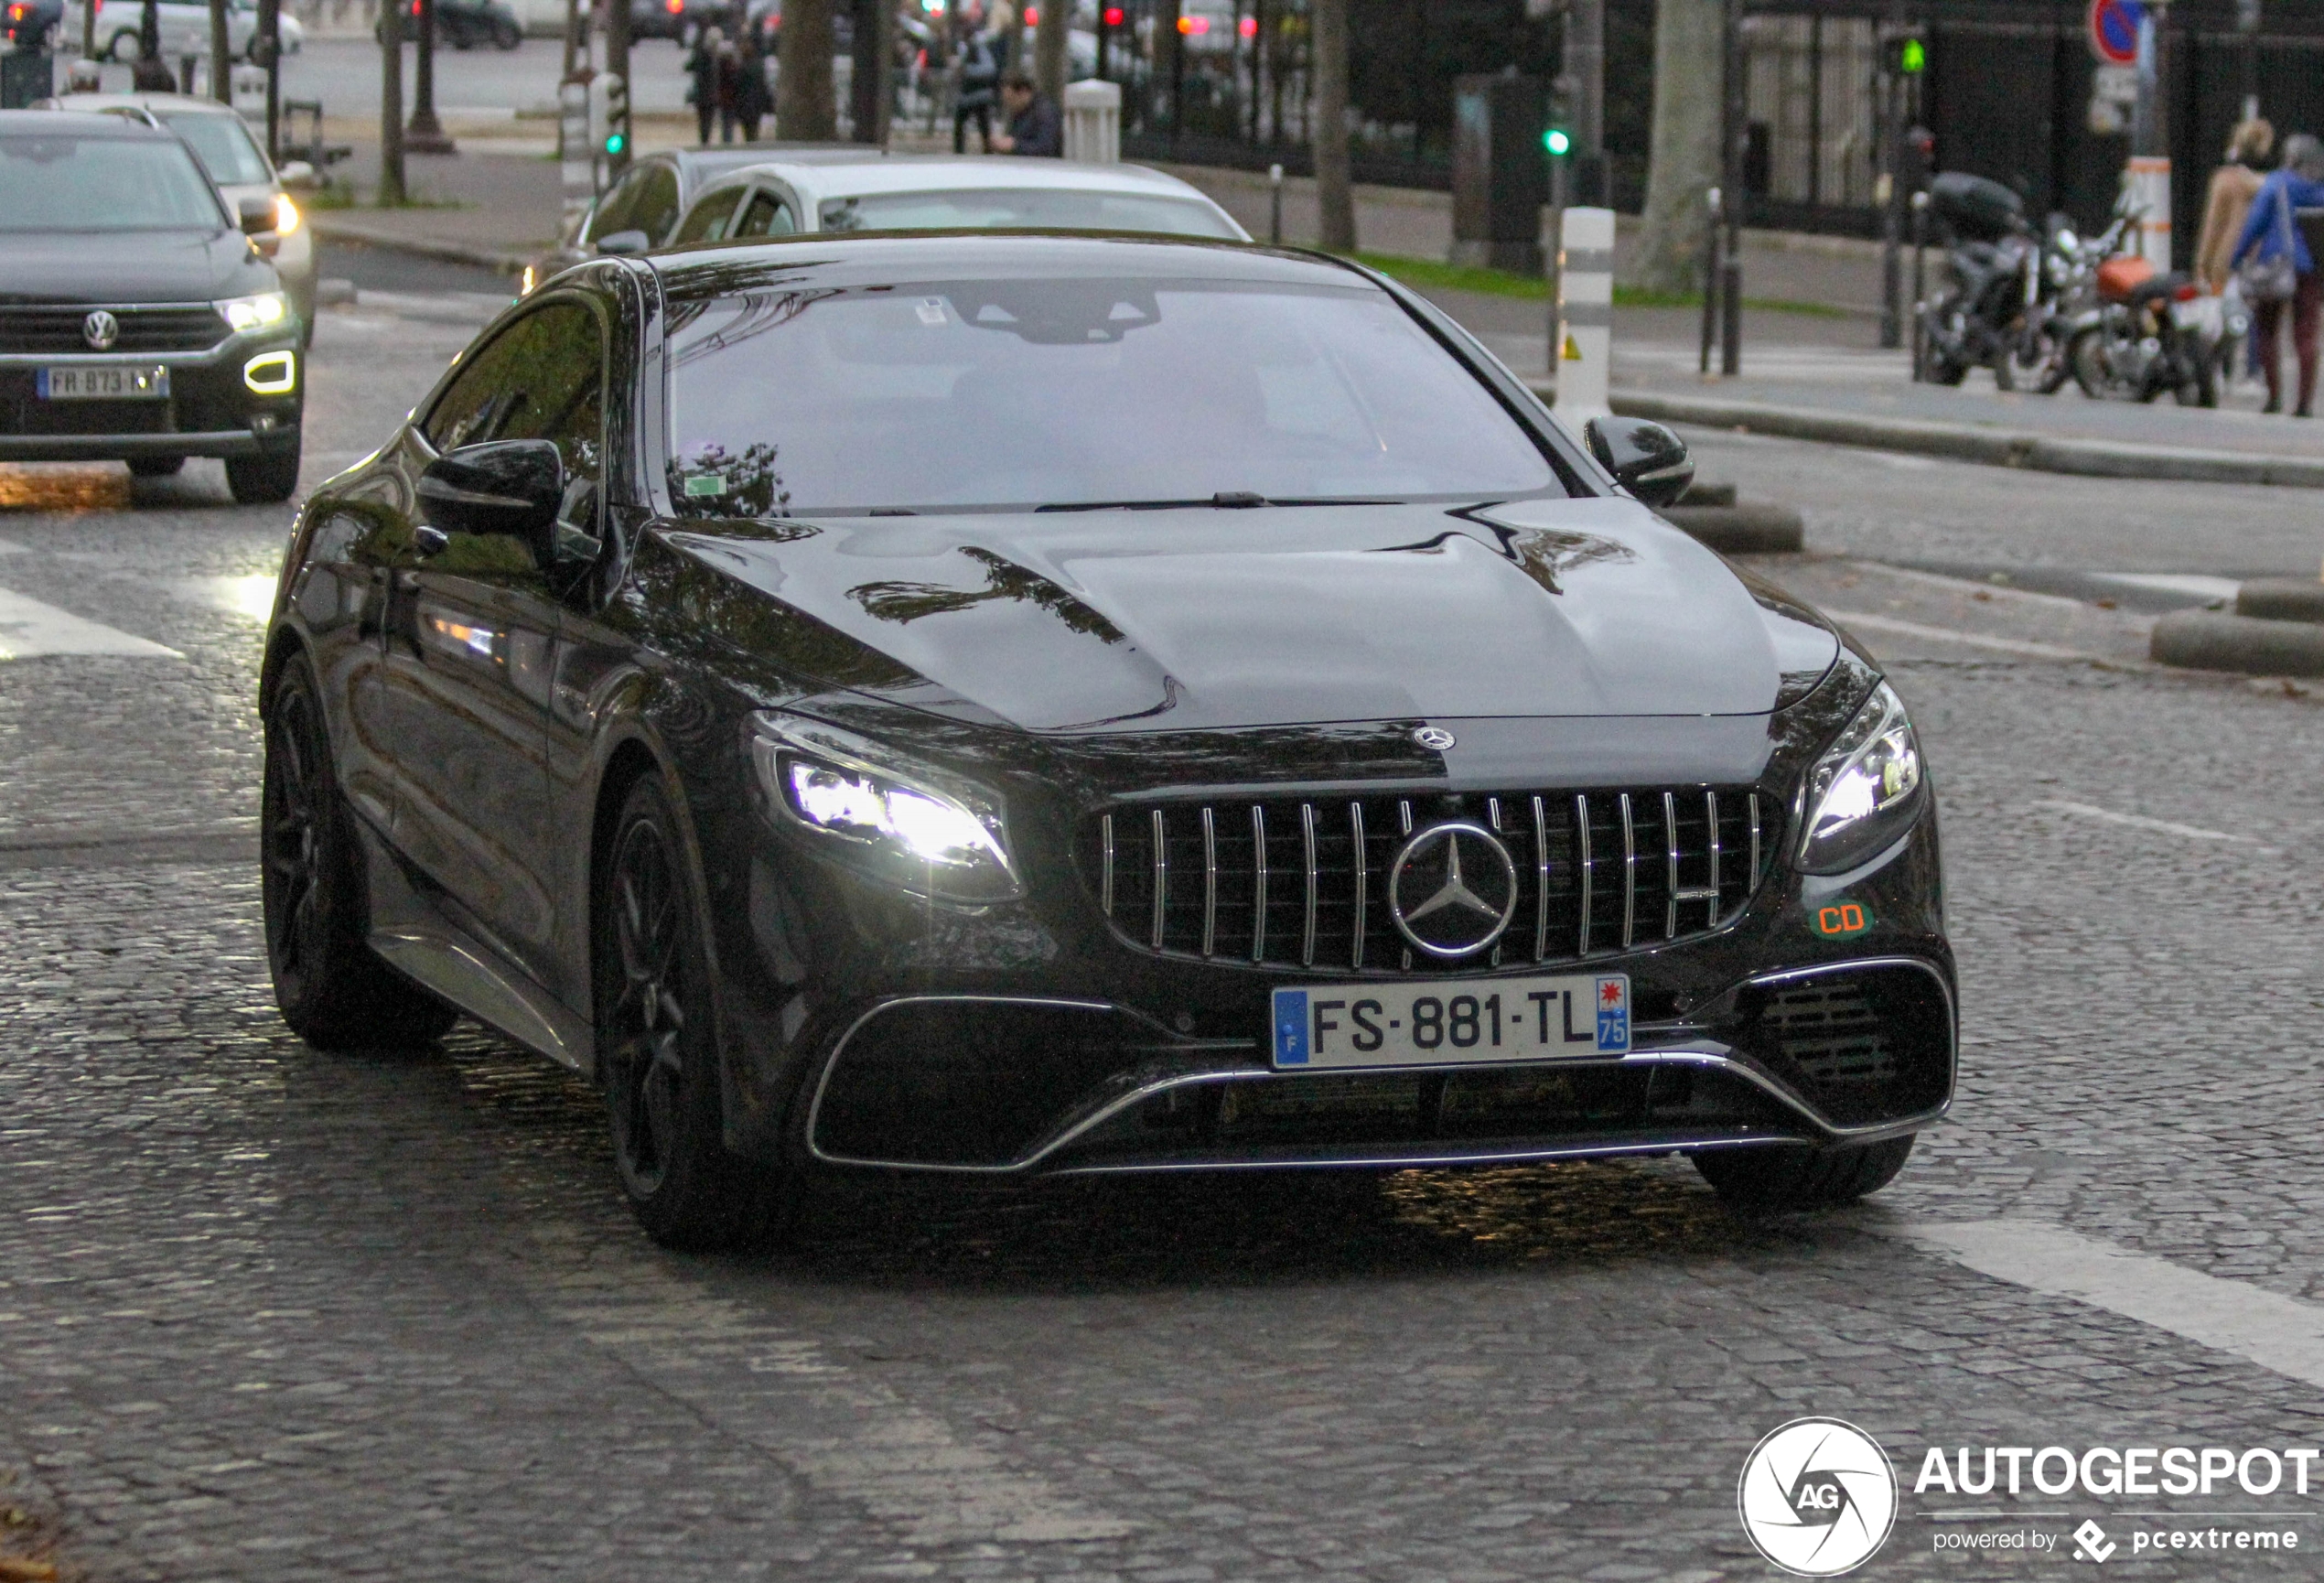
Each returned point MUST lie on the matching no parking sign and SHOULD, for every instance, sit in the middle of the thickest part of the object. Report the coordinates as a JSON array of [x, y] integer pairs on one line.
[[2114, 30]]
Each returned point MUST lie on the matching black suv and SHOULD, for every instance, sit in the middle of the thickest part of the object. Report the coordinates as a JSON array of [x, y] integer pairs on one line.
[[140, 319]]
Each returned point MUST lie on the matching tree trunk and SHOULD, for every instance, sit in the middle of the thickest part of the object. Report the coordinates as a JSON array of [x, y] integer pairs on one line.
[[1689, 59], [1333, 192], [804, 110], [1048, 49], [391, 190], [222, 55]]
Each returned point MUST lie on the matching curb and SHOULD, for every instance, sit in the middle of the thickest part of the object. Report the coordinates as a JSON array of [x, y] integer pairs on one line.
[[2281, 599], [331, 228], [1748, 529], [1977, 443], [2217, 640]]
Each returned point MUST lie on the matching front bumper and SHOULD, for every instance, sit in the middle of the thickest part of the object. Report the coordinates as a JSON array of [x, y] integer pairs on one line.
[[986, 1044], [209, 412]]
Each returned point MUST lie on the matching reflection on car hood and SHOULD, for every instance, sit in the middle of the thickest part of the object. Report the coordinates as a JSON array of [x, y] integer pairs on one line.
[[129, 266], [1208, 618]]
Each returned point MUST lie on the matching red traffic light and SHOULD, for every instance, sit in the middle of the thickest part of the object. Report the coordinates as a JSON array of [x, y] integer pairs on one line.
[[1113, 16]]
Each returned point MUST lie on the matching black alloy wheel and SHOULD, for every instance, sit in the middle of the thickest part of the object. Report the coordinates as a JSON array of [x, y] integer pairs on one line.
[[657, 1052], [1801, 1177], [334, 991]]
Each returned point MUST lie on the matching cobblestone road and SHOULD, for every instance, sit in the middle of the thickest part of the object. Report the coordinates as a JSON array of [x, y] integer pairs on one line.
[[269, 1314]]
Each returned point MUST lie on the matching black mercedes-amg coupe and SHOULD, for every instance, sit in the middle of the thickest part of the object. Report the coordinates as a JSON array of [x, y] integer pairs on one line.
[[1020, 704]]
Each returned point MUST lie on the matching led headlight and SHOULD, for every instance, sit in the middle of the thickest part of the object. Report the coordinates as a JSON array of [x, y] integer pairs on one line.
[[1866, 791], [914, 828], [268, 307]]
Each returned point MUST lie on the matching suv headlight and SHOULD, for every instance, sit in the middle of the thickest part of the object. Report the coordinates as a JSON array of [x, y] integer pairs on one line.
[[915, 828], [268, 307], [1866, 791]]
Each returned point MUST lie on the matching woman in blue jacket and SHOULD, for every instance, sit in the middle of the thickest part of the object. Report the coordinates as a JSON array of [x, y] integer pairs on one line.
[[2270, 232]]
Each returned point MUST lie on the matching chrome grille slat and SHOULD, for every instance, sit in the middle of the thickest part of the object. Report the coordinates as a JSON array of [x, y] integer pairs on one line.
[[1140, 860], [1210, 881], [143, 328]]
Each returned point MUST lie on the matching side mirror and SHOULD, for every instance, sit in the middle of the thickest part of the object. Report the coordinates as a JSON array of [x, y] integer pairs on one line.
[[624, 241], [298, 176], [257, 218], [1644, 457], [511, 488]]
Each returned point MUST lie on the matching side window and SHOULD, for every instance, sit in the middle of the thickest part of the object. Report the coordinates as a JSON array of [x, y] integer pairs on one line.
[[657, 210], [707, 221], [540, 379], [767, 216], [618, 212]]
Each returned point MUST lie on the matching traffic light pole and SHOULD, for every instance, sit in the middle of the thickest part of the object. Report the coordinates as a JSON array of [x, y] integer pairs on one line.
[[1737, 127], [1586, 67], [617, 63]]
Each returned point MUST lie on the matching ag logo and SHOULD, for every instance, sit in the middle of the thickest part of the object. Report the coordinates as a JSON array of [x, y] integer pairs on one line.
[[1817, 1497]]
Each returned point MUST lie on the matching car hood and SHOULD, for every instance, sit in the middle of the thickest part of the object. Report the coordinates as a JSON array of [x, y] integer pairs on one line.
[[1210, 618], [130, 266]]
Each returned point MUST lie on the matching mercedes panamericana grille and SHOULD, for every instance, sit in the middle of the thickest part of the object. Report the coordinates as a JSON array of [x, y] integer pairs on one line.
[[1044, 704]]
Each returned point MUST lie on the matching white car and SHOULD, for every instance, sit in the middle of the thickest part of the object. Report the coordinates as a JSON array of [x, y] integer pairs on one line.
[[945, 192], [185, 30]]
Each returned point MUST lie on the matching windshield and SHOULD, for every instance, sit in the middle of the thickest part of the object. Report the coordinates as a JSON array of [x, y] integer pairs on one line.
[[999, 208], [71, 183], [1016, 393], [223, 147]]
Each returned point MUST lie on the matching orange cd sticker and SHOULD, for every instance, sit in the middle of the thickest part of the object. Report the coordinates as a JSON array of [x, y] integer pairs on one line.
[[1842, 918]]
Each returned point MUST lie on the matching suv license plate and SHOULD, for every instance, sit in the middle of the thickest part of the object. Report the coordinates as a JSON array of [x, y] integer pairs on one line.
[[1441, 1023], [104, 382]]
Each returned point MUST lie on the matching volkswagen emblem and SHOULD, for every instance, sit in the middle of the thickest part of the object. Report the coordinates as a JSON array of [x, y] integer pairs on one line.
[[1436, 739], [1452, 890], [100, 329]]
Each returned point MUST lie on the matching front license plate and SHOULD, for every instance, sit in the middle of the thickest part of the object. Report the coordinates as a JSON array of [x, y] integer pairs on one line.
[[107, 381], [1577, 1017]]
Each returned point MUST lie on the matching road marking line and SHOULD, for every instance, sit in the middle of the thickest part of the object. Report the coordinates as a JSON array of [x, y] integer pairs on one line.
[[848, 1435], [29, 628], [1954, 635], [2138, 821], [2260, 1326], [1971, 587]]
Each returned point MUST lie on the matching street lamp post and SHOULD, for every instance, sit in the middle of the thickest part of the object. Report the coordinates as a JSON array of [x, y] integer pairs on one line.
[[425, 132], [1731, 208]]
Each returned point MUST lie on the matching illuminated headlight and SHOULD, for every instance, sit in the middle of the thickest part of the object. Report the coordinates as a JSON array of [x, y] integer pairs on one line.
[[1866, 791], [915, 829], [286, 215], [268, 307], [272, 373]]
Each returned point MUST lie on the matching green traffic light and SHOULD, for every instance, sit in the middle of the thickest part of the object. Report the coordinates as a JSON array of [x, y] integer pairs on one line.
[[1913, 58], [614, 140], [1555, 141]]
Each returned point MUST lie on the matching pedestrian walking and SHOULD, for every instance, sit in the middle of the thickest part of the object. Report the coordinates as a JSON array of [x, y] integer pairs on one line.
[[1035, 127], [729, 81], [752, 100], [2229, 203], [2276, 270], [980, 75], [701, 87]]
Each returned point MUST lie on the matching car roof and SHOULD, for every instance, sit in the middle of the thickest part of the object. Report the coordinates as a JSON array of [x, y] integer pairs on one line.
[[77, 123], [926, 172], [160, 103], [701, 164], [821, 259]]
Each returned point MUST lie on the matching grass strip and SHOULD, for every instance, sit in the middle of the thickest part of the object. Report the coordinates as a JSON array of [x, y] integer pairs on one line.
[[1429, 274]]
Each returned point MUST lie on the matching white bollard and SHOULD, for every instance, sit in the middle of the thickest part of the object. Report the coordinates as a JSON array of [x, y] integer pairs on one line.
[[1093, 123], [1585, 315], [2150, 189]]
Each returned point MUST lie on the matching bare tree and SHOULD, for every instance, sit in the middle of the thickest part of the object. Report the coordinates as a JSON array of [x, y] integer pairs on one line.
[[1049, 47], [804, 109], [1689, 59], [1333, 192]]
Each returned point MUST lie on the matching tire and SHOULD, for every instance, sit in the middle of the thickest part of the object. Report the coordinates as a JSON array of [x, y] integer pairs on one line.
[[1938, 369], [122, 47], [507, 36], [155, 467], [263, 479], [334, 991], [2086, 355], [1803, 1179], [657, 1052]]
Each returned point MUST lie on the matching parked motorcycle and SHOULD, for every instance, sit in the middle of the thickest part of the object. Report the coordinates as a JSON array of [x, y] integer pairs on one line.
[[2149, 331], [1990, 311]]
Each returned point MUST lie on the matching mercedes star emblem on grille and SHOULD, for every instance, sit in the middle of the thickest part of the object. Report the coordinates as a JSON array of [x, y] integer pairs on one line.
[[1436, 739], [100, 329], [1452, 888]]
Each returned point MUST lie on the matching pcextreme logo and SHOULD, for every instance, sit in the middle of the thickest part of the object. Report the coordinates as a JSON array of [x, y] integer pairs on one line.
[[1817, 1497]]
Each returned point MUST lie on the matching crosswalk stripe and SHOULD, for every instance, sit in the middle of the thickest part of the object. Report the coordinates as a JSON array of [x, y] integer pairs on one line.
[[29, 629]]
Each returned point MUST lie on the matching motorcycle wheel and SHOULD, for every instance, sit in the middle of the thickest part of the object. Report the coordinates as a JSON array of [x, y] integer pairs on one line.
[[1938, 369], [2042, 371], [2086, 355]]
